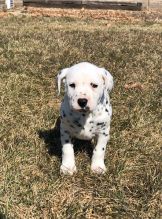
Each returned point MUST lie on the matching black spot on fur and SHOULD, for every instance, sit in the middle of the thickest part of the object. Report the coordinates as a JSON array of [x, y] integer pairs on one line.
[[67, 141], [83, 114], [100, 123], [103, 149], [77, 123], [66, 132], [63, 113], [103, 126], [107, 111], [105, 134], [91, 122]]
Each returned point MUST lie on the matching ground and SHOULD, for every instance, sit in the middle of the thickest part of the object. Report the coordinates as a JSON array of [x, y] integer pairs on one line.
[[34, 47]]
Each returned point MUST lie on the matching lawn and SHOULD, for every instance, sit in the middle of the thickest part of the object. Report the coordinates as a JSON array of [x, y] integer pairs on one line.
[[33, 49]]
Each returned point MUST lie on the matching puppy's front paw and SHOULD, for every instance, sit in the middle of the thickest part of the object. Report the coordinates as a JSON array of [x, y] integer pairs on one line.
[[98, 168], [68, 170]]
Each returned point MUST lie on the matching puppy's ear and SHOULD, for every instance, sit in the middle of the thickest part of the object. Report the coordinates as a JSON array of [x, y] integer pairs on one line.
[[60, 76], [108, 79]]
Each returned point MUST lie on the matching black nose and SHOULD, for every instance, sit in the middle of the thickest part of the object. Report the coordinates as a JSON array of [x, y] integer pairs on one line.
[[82, 102]]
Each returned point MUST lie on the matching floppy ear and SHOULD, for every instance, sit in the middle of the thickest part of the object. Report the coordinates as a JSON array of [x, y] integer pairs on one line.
[[60, 76], [108, 78]]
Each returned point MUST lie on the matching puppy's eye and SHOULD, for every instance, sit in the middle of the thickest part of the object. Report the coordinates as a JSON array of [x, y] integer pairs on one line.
[[94, 85], [72, 85]]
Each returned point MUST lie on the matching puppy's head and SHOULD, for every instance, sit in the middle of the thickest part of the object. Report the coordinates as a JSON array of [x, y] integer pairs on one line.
[[85, 85]]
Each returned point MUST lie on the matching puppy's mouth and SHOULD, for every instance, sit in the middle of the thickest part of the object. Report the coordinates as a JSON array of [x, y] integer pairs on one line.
[[84, 110]]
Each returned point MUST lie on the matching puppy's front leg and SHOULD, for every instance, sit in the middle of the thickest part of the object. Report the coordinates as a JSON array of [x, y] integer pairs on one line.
[[97, 164], [68, 160]]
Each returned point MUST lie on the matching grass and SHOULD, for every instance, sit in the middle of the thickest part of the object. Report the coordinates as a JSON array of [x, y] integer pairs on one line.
[[32, 51]]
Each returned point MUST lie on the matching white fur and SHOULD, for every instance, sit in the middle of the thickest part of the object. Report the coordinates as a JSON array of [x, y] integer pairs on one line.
[[93, 84]]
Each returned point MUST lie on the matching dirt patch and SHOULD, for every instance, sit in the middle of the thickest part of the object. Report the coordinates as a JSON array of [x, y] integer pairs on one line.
[[3, 14]]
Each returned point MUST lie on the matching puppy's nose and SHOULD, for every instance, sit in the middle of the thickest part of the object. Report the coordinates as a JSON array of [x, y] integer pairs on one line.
[[82, 102]]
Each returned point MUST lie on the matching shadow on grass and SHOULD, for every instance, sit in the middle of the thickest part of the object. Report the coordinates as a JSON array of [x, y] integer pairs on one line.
[[52, 141], [2, 216]]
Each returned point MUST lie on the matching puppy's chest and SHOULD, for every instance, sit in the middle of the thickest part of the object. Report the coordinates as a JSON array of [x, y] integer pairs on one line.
[[86, 127]]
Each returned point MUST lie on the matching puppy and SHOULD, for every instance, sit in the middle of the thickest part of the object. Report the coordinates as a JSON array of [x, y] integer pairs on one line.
[[85, 112]]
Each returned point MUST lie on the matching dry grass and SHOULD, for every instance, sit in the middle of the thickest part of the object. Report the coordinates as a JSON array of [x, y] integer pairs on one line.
[[32, 51]]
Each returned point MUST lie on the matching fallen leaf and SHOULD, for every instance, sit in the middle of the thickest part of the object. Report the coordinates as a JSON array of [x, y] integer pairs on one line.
[[135, 85]]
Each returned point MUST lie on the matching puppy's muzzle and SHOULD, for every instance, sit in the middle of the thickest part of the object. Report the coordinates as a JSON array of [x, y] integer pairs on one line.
[[82, 102]]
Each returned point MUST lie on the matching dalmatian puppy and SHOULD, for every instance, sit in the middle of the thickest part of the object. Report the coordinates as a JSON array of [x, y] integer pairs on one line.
[[85, 112]]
